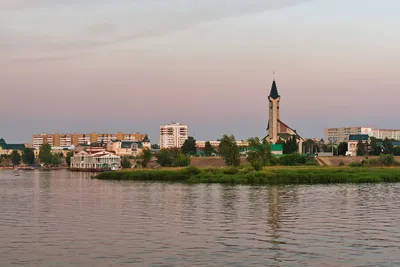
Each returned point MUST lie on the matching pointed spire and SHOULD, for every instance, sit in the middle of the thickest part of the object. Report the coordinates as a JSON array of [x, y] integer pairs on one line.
[[274, 91]]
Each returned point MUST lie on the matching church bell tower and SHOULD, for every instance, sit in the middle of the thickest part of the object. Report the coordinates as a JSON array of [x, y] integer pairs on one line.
[[273, 120]]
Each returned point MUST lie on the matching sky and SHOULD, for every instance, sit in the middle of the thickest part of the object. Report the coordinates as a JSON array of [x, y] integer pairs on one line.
[[131, 66]]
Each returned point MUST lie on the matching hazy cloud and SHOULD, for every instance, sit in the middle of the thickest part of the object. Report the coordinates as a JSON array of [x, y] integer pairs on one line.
[[43, 26]]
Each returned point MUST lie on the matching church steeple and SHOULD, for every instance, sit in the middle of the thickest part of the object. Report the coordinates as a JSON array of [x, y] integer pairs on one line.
[[274, 91]]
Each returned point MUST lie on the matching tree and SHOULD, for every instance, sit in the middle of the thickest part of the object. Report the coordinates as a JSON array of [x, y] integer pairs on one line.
[[125, 162], [172, 158], [260, 154], [70, 154], [28, 156], [387, 146], [229, 150], [155, 146], [189, 146], [396, 151], [15, 157], [45, 156], [342, 149], [55, 159], [290, 146], [208, 149], [146, 157], [360, 148], [375, 150], [164, 157]]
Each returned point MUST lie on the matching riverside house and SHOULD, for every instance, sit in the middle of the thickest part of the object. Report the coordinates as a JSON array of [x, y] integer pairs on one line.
[[84, 161]]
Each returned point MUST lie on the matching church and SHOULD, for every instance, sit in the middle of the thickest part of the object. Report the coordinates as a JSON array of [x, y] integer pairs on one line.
[[276, 129]]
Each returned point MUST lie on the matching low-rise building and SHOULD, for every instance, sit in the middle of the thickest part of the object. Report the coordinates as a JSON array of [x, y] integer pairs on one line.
[[7, 149], [95, 162], [353, 141], [66, 140], [201, 144]]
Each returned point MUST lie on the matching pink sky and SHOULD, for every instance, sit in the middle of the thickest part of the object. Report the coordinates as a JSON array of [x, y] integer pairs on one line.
[[131, 67]]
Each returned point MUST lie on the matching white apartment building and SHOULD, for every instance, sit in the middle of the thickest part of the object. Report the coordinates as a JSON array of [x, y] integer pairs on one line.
[[173, 135], [338, 135]]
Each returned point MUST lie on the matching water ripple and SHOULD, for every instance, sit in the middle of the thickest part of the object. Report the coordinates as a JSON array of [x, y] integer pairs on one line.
[[67, 219]]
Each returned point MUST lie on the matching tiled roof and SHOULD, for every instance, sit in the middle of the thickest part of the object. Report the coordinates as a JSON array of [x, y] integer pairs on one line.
[[12, 146], [128, 144], [146, 139]]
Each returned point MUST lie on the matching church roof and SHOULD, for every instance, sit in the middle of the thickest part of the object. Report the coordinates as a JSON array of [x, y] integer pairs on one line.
[[274, 91]]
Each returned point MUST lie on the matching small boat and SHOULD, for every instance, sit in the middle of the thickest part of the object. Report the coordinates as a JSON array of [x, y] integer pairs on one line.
[[16, 171]]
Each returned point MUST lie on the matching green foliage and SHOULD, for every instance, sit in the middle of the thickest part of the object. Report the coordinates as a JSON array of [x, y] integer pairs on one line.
[[189, 146], [274, 176], [146, 157], [290, 146], [293, 159], [356, 164], [172, 158], [45, 155], [55, 159], [360, 148], [181, 161], [15, 157], [341, 164], [374, 149], [260, 154], [28, 156], [70, 154], [125, 162], [229, 150], [164, 157], [387, 159], [387, 146], [342, 149], [396, 151], [208, 149], [155, 146]]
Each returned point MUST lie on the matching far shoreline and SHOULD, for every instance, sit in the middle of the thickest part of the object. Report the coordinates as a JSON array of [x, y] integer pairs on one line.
[[282, 175]]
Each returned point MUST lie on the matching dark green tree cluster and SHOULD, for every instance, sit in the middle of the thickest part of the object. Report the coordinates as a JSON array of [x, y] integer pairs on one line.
[[189, 146], [28, 156], [15, 158], [125, 162], [48, 158], [229, 150], [146, 157], [172, 158], [208, 149], [260, 154]]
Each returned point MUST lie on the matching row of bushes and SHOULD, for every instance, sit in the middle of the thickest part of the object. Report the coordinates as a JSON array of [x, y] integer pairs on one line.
[[383, 160], [246, 175]]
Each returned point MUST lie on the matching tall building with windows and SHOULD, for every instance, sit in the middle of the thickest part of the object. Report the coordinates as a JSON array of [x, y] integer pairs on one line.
[[338, 135], [67, 140], [173, 135]]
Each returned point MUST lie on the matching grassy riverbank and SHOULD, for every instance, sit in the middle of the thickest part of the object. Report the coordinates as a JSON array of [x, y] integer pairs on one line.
[[272, 175]]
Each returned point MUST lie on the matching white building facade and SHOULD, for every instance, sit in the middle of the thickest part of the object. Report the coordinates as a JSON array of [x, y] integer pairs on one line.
[[338, 135], [173, 135], [96, 161]]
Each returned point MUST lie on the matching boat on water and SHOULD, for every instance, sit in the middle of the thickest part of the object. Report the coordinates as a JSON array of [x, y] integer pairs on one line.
[[16, 171]]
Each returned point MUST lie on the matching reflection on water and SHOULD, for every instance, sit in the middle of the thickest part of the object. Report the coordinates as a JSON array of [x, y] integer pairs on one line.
[[64, 219]]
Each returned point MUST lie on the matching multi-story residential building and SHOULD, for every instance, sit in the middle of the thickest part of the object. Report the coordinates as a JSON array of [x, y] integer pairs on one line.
[[201, 144], [337, 135], [386, 133], [67, 140], [173, 135]]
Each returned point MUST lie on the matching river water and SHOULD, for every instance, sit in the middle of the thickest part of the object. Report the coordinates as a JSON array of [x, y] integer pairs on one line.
[[58, 218]]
